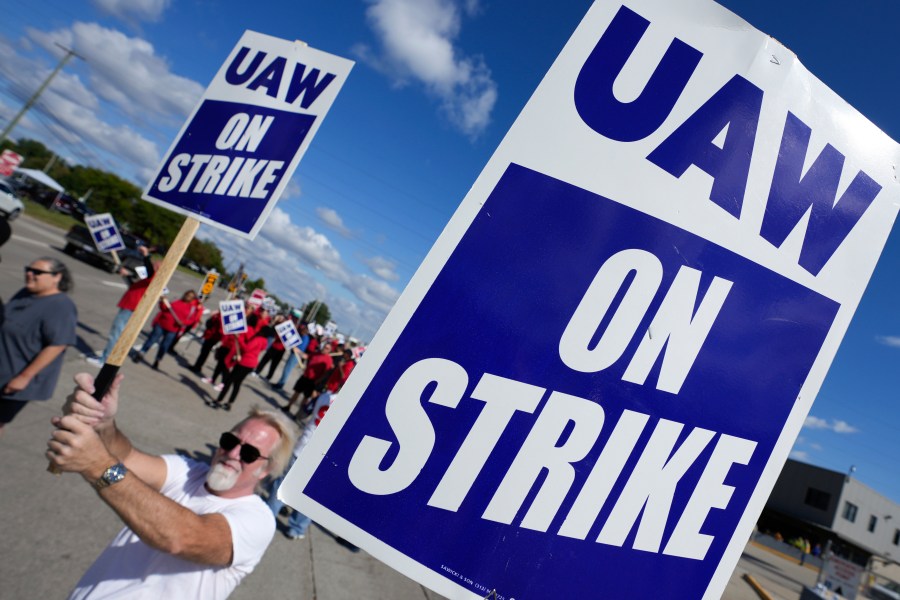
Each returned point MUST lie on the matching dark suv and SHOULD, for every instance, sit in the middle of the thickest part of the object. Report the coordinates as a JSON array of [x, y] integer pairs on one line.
[[68, 205], [80, 243]]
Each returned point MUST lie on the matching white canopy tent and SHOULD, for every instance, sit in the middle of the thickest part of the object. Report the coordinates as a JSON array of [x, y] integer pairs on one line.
[[40, 177]]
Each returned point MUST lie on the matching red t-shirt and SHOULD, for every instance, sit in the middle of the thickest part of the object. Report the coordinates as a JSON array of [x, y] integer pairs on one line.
[[250, 346], [339, 376], [213, 327], [164, 317], [318, 365], [133, 294]]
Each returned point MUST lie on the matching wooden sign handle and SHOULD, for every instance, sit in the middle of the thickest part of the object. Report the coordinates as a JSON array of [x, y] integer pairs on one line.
[[140, 315]]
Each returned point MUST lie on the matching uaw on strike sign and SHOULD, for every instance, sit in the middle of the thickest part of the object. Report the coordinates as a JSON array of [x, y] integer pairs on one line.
[[655, 268], [236, 153]]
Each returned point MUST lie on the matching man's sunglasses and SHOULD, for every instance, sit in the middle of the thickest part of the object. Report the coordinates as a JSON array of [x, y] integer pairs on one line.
[[36, 272], [249, 452]]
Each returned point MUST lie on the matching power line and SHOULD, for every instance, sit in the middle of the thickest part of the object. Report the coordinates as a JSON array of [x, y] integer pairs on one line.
[[30, 102]]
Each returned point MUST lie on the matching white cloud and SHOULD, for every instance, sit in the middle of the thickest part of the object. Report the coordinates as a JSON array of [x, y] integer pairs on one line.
[[382, 267], [128, 10], [799, 455], [374, 292], [303, 244], [333, 220], [75, 124], [815, 423], [835, 425], [126, 71], [290, 258], [889, 340], [291, 190], [843, 427], [418, 43]]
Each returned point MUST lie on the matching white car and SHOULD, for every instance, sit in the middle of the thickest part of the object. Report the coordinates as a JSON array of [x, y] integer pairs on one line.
[[10, 206]]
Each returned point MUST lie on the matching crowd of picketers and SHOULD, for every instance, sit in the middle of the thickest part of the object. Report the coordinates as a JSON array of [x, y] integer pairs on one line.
[[325, 362]]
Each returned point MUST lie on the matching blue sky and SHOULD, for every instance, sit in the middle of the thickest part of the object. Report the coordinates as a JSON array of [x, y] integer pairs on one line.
[[436, 85]]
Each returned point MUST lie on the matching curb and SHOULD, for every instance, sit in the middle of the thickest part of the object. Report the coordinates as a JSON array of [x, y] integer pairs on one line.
[[756, 587]]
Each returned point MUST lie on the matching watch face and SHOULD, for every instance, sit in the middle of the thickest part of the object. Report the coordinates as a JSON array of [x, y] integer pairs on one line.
[[115, 473]]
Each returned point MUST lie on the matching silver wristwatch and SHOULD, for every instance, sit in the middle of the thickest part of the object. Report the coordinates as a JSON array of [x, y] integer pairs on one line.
[[114, 474]]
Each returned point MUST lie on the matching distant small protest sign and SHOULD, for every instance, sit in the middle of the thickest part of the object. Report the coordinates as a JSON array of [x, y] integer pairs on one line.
[[105, 232], [257, 297], [234, 317], [288, 334]]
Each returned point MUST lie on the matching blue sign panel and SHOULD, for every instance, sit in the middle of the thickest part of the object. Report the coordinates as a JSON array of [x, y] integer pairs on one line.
[[536, 447], [230, 160]]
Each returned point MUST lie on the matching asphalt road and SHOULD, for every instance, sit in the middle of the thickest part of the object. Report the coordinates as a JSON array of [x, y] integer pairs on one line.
[[52, 528]]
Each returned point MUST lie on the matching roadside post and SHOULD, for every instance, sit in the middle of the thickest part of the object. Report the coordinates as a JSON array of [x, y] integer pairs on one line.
[[236, 153], [657, 266]]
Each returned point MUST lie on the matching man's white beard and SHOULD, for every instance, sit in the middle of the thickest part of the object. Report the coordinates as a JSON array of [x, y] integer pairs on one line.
[[220, 478]]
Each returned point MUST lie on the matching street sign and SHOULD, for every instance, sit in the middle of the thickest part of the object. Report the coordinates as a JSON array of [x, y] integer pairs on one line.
[[234, 318], [841, 576], [654, 272], [9, 160], [105, 232], [209, 284], [239, 148], [289, 335]]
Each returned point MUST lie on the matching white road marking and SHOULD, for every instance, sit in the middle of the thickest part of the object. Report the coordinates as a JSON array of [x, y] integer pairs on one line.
[[30, 241]]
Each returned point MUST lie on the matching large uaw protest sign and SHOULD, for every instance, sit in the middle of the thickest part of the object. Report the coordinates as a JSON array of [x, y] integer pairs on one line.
[[655, 268], [236, 153]]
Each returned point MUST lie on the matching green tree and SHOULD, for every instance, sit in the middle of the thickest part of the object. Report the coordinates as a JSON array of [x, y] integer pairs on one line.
[[323, 313], [205, 253], [252, 284], [109, 193]]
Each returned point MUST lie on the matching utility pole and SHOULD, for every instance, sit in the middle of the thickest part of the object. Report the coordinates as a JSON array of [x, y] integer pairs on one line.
[[15, 120], [313, 310]]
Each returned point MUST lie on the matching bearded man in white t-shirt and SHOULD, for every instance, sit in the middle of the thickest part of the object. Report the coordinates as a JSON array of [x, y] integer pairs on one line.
[[193, 530]]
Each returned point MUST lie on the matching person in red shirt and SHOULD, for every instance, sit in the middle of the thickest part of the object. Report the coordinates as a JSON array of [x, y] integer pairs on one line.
[[344, 365], [241, 359], [318, 369], [212, 335], [194, 317], [169, 320], [275, 353], [129, 301]]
